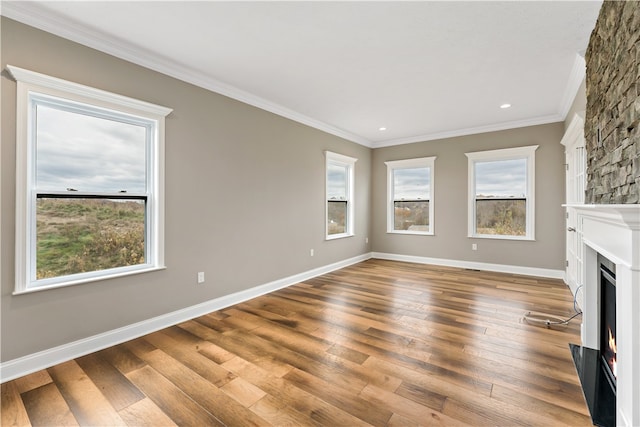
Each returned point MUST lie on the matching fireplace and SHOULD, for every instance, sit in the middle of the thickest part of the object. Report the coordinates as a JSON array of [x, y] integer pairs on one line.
[[598, 367], [609, 241], [608, 347]]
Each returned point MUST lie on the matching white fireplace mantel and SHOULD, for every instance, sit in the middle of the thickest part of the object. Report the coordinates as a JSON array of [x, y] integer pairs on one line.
[[613, 231]]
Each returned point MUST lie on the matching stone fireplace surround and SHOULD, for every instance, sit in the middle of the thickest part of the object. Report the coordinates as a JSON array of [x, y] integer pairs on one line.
[[614, 232]]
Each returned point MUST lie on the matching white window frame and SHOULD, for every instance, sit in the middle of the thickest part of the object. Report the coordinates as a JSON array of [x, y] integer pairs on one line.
[[527, 153], [348, 163], [423, 162], [31, 87]]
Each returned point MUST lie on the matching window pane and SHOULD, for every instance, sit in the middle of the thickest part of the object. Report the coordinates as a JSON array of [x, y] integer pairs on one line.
[[501, 197], [501, 217], [411, 215], [88, 153], [336, 182], [336, 217], [81, 235], [503, 178], [411, 184]]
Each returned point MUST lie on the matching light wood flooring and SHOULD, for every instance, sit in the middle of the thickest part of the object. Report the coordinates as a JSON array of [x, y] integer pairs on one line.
[[379, 343]]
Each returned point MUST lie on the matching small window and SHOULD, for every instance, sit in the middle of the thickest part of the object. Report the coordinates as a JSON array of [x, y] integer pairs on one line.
[[339, 195], [89, 184], [501, 193], [410, 196]]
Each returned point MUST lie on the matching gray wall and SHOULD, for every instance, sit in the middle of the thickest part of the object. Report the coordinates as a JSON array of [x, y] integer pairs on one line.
[[244, 199], [450, 240]]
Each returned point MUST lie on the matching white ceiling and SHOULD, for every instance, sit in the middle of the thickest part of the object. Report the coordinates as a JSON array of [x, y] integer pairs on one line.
[[423, 70]]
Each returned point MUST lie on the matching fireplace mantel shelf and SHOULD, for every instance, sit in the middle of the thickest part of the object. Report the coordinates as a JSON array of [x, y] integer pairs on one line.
[[621, 214]]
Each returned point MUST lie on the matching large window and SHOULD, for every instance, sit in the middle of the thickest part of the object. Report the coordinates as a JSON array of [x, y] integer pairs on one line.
[[339, 195], [89, 183], [410, 196], [501, 193]]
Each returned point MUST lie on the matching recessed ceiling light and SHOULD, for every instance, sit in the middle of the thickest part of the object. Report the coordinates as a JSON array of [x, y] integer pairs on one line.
[[382, 128], [503, 106]]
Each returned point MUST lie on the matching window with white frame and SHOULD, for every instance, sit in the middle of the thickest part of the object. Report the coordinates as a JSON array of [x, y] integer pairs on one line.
[[89, 183], [410, 204], [339, 195], [501, 193]]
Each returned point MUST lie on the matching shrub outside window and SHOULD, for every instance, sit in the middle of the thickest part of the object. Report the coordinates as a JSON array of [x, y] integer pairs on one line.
[[89, 202], [339, 195], [410, 207], [501, 193]]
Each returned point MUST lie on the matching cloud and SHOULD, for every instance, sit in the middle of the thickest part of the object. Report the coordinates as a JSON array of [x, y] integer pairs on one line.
[[336, 182], [412, 184], [503, 178], [88, 153]]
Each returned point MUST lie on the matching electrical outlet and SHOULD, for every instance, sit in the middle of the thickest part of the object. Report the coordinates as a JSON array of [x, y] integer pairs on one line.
[[474, 246], [366, 240], [311, 252], [201, 277]]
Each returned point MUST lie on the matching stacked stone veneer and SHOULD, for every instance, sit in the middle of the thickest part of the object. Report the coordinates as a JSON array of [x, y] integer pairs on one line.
[[612, 122]]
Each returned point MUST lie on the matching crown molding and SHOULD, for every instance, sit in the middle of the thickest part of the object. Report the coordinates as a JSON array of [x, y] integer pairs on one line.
[[576, 76], [543, 120], [32, 14]]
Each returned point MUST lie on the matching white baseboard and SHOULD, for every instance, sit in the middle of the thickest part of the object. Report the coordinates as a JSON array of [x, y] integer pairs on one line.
[[25, 365], [500, 268]]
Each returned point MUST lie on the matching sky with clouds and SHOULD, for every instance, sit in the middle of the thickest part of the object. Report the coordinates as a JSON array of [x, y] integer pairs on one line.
[[87, 153], [336, 182], [412, 184], [504, 178]]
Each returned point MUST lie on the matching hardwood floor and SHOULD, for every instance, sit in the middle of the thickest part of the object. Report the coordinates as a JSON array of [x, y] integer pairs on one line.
[[379, 343]]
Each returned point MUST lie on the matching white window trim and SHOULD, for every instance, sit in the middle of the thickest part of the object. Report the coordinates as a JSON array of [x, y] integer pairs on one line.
[[527, 153], [31, 83], [349, 163], [423, 162]]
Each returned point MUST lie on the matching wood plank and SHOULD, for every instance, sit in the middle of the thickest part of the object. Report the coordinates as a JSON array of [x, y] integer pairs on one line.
[[88, 404], [121, 358], [46, 407], [315, 409], [209, 397], [32, 381], [559, 414], [115, 387], [12, 410], [407, 411], [339, 397], [347, 353], [279, 413], [243, 392], [236, 346], [145, 413], [421, 395], [171, 400], [189, 356], [441, 382]]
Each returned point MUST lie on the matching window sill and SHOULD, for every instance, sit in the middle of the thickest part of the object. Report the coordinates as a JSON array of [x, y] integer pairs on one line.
[[84, 280], [339, 236], [411, 233], [499, 237]]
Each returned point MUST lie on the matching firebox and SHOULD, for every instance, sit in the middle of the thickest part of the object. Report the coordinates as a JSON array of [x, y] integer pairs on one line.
[[608, 348], [597, 368]]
